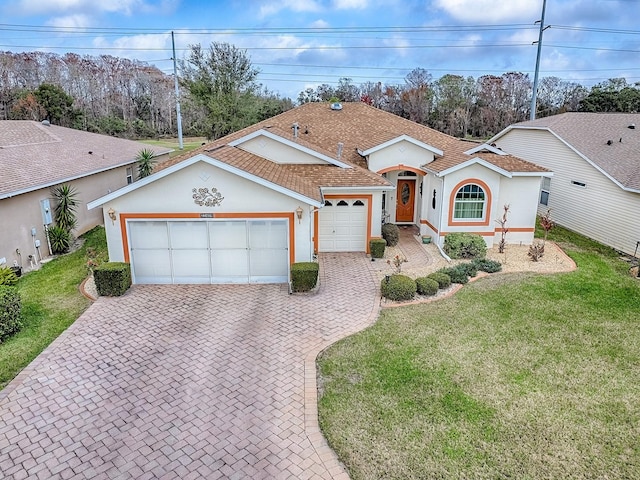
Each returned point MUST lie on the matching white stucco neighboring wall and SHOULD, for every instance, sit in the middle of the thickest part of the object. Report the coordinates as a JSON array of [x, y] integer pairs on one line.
[[171, 196], [600, 210], [401, 153], [21, 213]]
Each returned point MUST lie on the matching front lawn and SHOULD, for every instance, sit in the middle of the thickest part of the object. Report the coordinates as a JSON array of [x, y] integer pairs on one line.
[[51, 302], [522, 376]]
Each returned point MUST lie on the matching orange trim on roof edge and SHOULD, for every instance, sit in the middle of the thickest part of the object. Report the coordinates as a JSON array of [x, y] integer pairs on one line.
[[369, 199], [400, 166], [246, 215], [452, 198]]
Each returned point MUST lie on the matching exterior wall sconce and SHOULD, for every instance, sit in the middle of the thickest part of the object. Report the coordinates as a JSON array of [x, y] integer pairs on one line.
[[299, 214], [112, 215]]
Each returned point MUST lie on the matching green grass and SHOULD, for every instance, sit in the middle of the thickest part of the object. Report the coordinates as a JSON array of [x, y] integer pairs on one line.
[[516, 376], [190, 143], [51, 302]]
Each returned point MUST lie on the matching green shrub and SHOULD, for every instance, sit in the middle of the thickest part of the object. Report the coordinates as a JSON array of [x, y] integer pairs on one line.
[[391, 233], [457, 274], [469, 268], [10, 311], [377, 246], [60, 240], [398, 288], [304, 276], [486, 265], [464, 245], [427, 286], [112, 279], [443, 279], [7, 277]]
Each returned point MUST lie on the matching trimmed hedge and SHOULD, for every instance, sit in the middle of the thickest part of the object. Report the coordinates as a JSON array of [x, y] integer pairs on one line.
[[10, 311], [427, 286], [443, 279], [304, 276], [486, 265], [391, 233], [112, 278], [469, 268], [464, 245], [377, 246], [398, 288], [457, 274]]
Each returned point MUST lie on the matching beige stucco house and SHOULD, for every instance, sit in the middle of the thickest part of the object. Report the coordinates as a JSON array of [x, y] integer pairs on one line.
[[34, 157], [595, 157], [318, 178]]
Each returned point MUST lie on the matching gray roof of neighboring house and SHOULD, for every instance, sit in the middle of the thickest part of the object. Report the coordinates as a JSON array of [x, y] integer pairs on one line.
[[605, 139], [34, 156]]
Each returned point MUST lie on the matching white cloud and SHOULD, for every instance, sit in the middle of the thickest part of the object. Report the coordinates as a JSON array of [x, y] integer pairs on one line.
[[491, 11], [126, 7], [350, 4], [73, 21], [271, 8], [320, 24]]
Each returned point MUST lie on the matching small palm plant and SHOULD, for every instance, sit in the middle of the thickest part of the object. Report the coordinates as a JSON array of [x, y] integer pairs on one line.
[[145, 162], [66, 205], [64, 216]]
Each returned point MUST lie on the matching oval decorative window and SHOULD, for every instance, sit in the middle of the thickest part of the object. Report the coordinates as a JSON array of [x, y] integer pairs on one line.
[[405, 194]]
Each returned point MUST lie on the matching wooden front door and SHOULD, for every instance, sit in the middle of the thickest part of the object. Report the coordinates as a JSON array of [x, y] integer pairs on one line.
[[405, 199]]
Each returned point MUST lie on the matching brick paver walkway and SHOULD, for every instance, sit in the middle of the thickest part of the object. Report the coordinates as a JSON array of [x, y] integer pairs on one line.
[[186, 382]]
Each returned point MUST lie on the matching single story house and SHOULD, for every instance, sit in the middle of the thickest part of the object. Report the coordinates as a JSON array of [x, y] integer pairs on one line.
[[34, 158], [595, 157], [318, 178]]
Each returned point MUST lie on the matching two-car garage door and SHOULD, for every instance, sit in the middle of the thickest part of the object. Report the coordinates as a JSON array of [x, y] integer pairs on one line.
[[206, 251]]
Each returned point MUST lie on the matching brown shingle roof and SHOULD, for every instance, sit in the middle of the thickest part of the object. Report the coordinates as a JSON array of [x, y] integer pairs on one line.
[[589, 134], [358, 127], [34, 156]]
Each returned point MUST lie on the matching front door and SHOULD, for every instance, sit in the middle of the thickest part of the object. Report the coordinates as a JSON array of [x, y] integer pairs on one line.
[[405, 194]]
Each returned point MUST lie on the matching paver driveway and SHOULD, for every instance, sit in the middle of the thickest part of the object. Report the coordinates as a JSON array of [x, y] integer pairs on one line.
[[186, 382]]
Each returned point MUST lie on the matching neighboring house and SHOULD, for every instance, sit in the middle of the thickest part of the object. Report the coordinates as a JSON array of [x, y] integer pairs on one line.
[[34, 157], [318, 178], [595, 157]]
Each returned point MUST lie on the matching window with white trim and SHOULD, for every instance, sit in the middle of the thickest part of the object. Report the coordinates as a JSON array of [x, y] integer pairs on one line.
[[129, 175], [544, 190], [469, 203]]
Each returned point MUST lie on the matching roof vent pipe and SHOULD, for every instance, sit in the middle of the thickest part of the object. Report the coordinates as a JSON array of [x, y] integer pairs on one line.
[[46, 123], [295, 128], [632, 126], [340, 146]]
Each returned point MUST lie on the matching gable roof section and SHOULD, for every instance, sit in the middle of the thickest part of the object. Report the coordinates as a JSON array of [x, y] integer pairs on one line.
[[588, 134], [305, 191], [294, 143], [401, 138], [360, 128], [35, 156]]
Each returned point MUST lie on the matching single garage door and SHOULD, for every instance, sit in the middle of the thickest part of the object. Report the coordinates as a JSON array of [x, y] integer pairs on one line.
[[234, 251], [342, 225]]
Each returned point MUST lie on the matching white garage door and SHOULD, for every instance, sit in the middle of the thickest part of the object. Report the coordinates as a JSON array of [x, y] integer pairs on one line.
[[342, 225], [234, 251]]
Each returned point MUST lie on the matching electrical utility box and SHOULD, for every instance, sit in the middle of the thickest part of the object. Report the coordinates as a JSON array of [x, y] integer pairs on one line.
[[45, 206]]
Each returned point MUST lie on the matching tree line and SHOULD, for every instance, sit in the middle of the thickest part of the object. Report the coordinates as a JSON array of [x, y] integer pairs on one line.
[[220, 94]]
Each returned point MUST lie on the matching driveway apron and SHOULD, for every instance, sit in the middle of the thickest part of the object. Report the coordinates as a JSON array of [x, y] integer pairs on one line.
[[176, 381]]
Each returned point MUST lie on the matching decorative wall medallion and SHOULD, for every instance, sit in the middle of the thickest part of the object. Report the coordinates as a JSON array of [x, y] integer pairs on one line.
[[204, 176], [207, 198]]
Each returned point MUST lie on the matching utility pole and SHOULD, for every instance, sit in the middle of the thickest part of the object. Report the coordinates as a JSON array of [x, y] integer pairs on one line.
[[534, 96], [175, 79]]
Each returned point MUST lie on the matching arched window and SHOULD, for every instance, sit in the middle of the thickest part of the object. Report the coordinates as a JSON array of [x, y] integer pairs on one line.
[[469, 203]]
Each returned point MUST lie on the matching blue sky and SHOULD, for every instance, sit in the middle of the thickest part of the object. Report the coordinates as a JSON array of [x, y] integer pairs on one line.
[[302, 43]]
